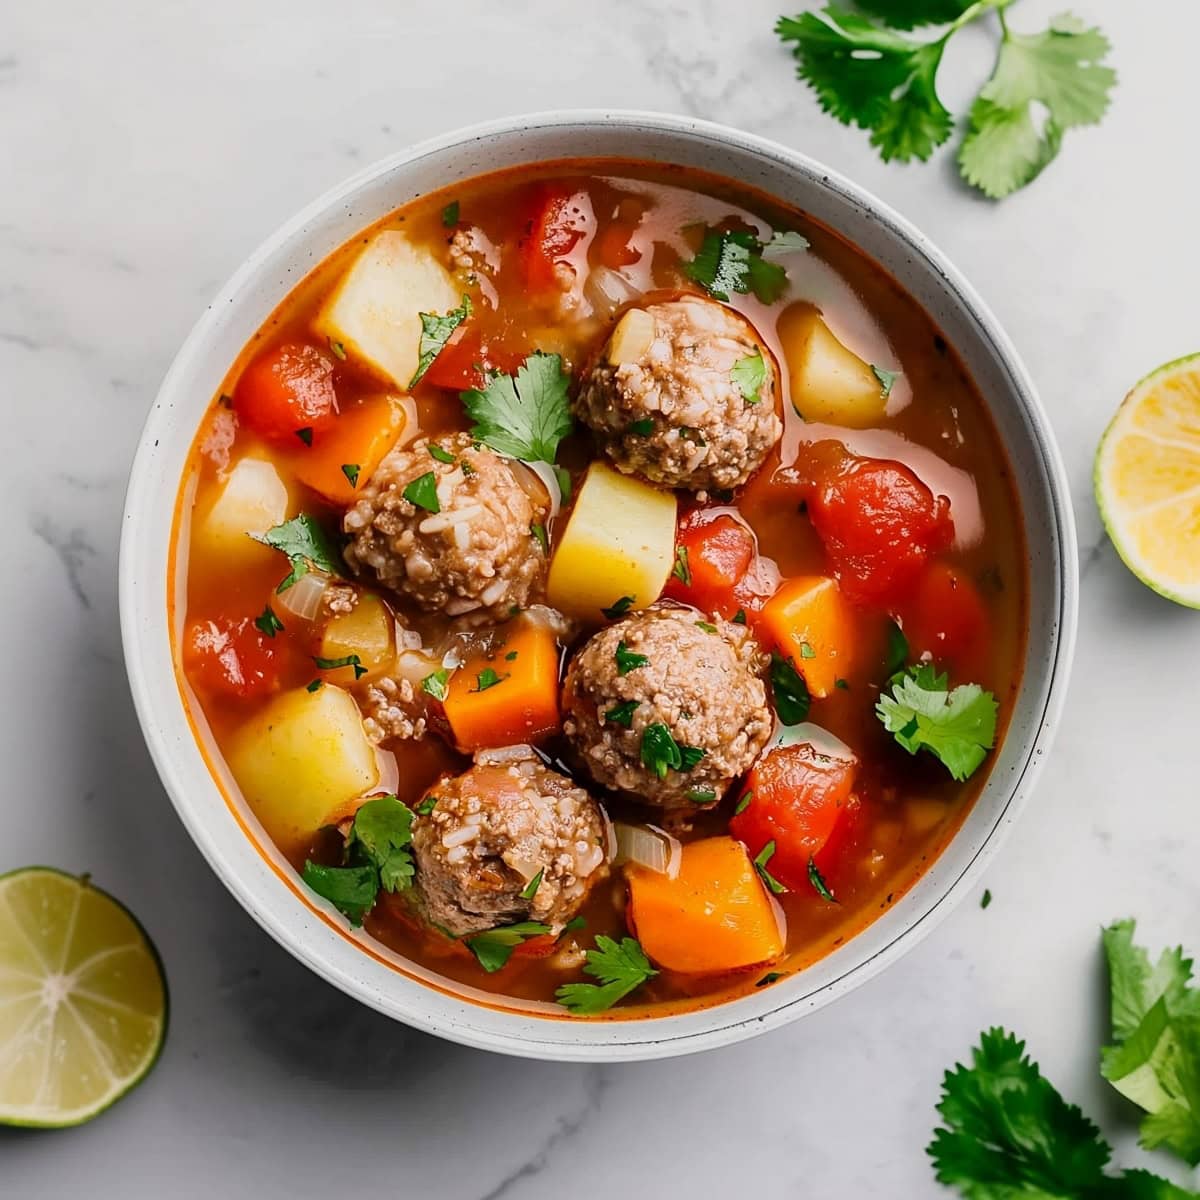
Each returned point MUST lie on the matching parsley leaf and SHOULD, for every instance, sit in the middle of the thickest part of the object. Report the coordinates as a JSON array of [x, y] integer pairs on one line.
[[748, 375], [784, 243], [435, 684], [1058, 72], [620, 966], [791, 692], [887, 379], [268, 623], [627, 660], [383, 828], [435, 333], [760, 865], [619, 608], [306, 544], [732, 261], [958, 727], [347, 660], [422, 493], [525, 415], [493, 948], [622, 714]]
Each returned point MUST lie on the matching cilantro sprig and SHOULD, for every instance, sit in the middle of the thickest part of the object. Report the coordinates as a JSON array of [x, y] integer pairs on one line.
[[493, 948], [731, 260], [524, 415], [620, 966], [865, 73], [307, 546], [921, 713], [436, 331]]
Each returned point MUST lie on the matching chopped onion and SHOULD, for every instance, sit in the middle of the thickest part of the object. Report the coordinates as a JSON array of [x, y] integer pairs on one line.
[[548, 481], [525, 867], [606, 290], [505, 754], [303, 598], [414, 665], [649, 847], [407, 639], [821, 740]]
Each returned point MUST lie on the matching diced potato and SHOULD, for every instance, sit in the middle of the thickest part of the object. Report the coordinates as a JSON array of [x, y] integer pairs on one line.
[[631, 338], [299, 758], [619, 541], [828, 382], [375, 310], [368, 630], [252, 500]]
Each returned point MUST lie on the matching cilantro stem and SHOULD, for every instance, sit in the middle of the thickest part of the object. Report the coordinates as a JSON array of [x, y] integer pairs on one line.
[[973, 14]]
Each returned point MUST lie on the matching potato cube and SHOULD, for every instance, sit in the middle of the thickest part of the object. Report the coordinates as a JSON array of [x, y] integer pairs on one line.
[[252, 500], [368, 630]]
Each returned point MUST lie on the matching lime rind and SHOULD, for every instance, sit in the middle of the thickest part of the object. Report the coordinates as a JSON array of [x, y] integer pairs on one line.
[[1188, 364], [39, 1117]]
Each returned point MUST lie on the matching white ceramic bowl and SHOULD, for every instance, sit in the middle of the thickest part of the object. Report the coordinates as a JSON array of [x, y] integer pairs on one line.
[[253, 873]]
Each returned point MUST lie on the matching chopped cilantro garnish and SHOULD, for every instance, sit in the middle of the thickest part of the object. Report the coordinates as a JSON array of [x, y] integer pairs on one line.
[[707, 626], [739, 617], [422, 493], [886, 379], [643, 428], [315, 686], [681, 570], [305, 435], [511, 656], [620, 966], [487, 678], [442, 456], [268, 623], [539, 533], [748, 375], [743, 802], [351, 890], [897, 650], [986, 899], [806, 651], [524, 415], [763, 857], [427, 805], [818, 881], [791, 692], [435, 333], [622, 714], [348, 660], [958, 727], [493, 948], [691, 756], [619, 608], [842, 684], [784, 243], [627, 660], [351, 470], [306, 545], [701, 795], [769, 978], [339, 351], [732, 261], [435, 684], [450, 214], [530, 889], [661, 752]]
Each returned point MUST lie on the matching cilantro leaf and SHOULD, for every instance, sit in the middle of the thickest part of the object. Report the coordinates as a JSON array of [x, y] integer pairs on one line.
[[1136, 985], [818, 881], [268, 623], [627, 660], [1043, 85], [422, 493], [659, 750], [622, 714], [748, 375], [487, 678], [351, 890], [493, 948], [682, 570], [441, 454], [306, 544], [450, 214], [790, 691], [435, 333], [897, 649], [525, 415], [958, 727], [866, 75], [887, 379], [760, 865], [732, 261], [618, 608], [436, 683], [351, 472], [785, 243], [908, 14], [383, 829], [530, 889], [347, 660], [620, 967]]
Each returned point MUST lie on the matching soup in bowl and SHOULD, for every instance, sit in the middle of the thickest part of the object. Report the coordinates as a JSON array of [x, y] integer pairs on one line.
[[598, 592]]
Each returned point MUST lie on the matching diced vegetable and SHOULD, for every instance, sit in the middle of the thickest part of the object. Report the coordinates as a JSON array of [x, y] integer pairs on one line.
[[647, 846], [718, 550], [252, 500], [798, 798], [300, 757], [367, 632], [619, 541], [714, 916], [810, 622], [470, 357], [286, 394], [509, 695], [375, 310], [946, 619], [232, 657], [828, 381], [343, 457], [631, 338], [559, 219]]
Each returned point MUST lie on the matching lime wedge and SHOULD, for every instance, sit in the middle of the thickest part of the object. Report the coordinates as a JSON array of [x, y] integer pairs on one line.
[[83, 1000], [1147, 480]]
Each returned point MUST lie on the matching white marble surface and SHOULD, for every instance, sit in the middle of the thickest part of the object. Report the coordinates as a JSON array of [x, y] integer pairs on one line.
[[145, 149]]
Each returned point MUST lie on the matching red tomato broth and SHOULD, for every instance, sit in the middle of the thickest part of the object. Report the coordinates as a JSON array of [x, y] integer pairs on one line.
[[907, 808]]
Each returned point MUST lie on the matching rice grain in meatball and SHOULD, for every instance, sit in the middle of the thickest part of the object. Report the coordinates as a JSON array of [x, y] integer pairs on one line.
[[477, 556], [490, 833], [669, 401], [699, 681]]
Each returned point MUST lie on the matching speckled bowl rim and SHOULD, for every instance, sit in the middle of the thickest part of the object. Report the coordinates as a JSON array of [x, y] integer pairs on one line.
[[144, 557]]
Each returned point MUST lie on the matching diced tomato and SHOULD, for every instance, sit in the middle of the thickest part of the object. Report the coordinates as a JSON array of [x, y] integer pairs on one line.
[[285, 390], [718, 550], [754, 589], [880, 525], [467, 360], [798, 799], [946, 619], [560, 218], [614, 245], [232, 657]]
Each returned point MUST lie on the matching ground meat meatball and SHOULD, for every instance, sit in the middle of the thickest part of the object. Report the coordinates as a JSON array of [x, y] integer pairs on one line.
[[490, 833], [700, 680], [476, 557], [675, 371]]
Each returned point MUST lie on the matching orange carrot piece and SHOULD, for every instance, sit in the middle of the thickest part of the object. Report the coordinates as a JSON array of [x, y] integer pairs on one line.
[[809, 621], [343, 457], [509, 695], [714, 916]]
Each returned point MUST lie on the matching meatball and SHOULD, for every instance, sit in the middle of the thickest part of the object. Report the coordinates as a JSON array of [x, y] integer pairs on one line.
[[477, 556], [668, 399], [660, 677], [492, 831]]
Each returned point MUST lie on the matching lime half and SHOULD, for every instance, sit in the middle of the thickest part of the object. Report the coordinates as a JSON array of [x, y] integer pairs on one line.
[[83, 1000], [1147, 480]]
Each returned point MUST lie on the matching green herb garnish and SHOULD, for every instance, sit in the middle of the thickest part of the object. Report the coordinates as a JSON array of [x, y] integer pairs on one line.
[[681, 570], [642, 428], [442, 456], [622, 714], [524, 415], [791, 692], [743, 802], [530, 889], [701, 795], [435, 333], [818, 881], [493, 948], [539, 533], [627, 660], [487, 678], [619, 608], [422, 493], [886, 379], [305, 435], [351, 470], [436, 683], [763, 857], [748, 375], [306, 545], [450, 214], [348, 660], [620, 966], [732, 261], [268, 623]]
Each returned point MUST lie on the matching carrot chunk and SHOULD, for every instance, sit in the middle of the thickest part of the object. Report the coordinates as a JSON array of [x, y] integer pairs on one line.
[[507, 696], [714, 916], [809, 621]]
